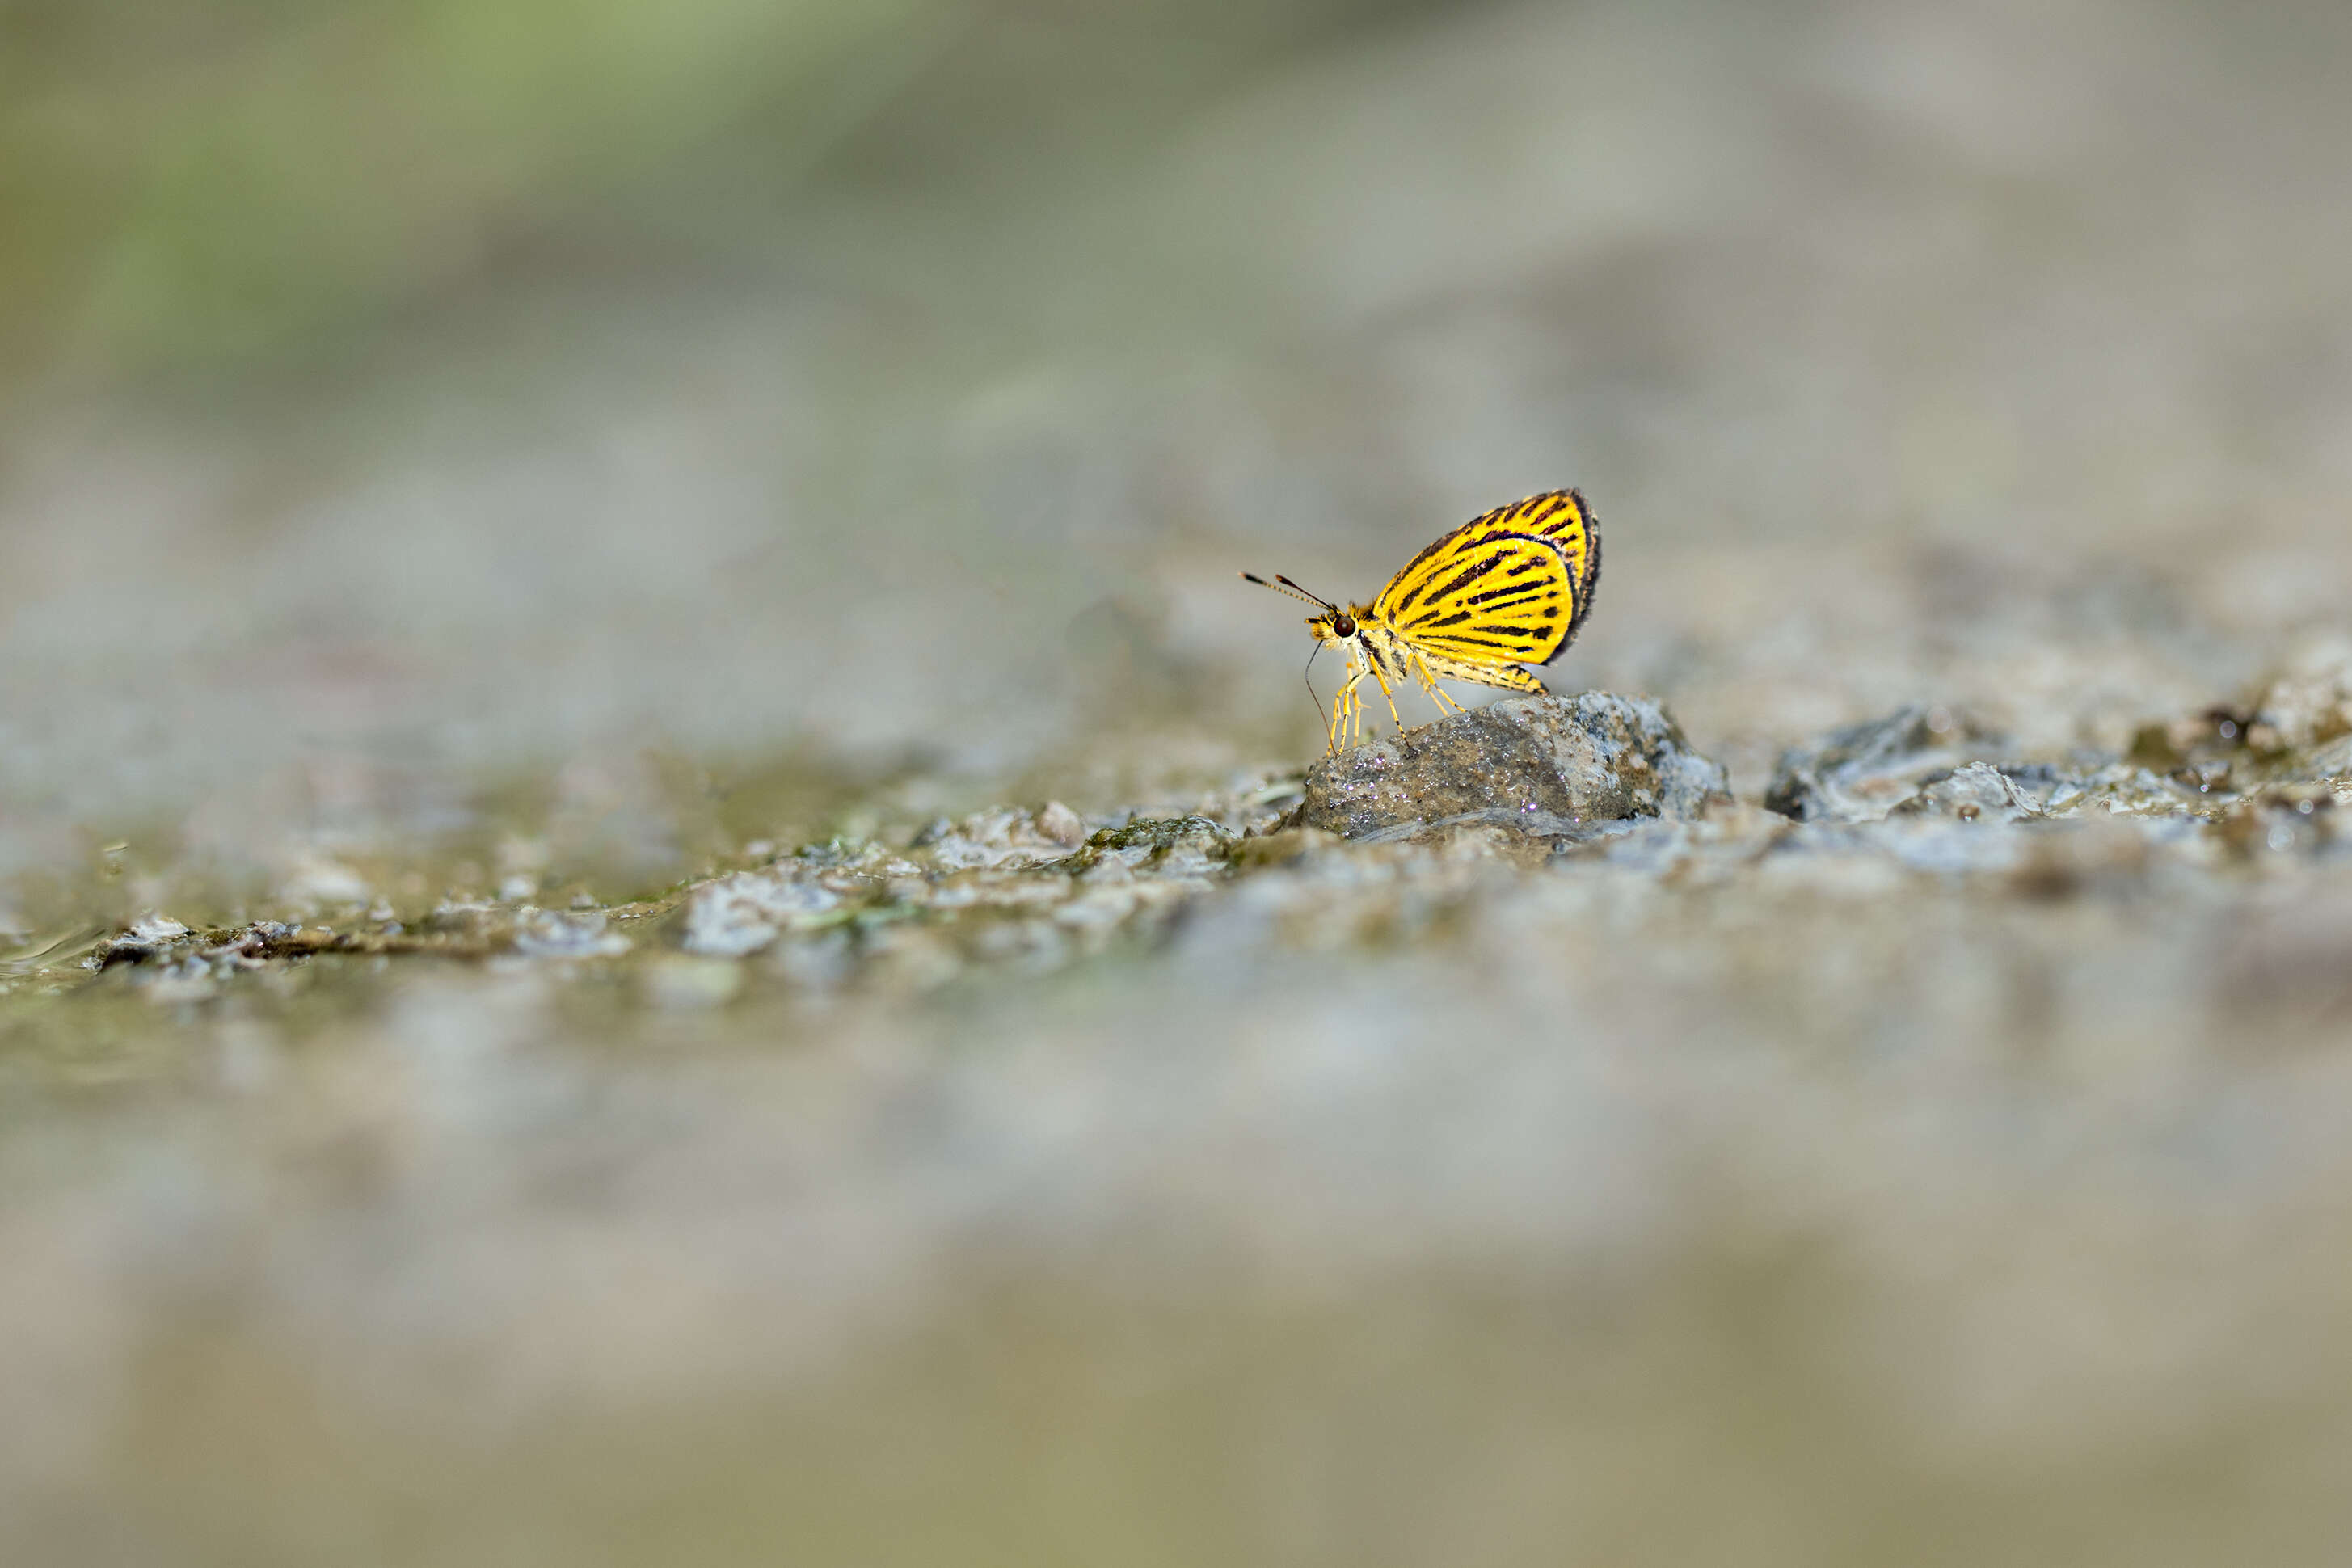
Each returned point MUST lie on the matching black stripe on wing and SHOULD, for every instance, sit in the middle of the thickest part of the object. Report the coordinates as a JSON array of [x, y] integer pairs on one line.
[[1527, 617]]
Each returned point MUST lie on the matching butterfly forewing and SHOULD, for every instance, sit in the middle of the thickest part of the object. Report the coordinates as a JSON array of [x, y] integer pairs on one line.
[[1509, 587]]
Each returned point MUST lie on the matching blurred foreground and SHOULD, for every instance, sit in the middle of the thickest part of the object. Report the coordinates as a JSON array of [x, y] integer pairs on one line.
[[659, 502]]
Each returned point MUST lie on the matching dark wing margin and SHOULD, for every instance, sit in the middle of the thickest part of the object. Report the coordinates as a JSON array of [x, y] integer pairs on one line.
[[1586, 570]]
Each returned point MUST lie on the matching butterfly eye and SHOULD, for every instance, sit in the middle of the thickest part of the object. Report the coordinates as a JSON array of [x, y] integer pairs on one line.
[[1345, 626]]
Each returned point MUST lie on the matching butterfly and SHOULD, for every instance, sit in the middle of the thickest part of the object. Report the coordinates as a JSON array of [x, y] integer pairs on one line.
[[1511, 587]]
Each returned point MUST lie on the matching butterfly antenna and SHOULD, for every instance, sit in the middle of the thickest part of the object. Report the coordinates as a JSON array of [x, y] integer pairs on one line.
[[1295, 587], [1282, 584]]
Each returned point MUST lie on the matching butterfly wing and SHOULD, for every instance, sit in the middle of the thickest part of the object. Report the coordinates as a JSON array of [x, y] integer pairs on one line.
[[1511, 587]]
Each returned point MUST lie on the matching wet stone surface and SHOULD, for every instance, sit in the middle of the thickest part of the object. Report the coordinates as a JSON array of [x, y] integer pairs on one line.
[[1544, 765], [1382, 838], [1865, 770]]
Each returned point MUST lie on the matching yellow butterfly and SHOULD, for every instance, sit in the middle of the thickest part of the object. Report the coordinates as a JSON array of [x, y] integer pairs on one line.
[[1509, 588]]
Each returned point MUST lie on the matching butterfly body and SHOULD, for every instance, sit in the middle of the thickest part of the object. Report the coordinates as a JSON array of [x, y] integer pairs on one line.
[[1507, 588]]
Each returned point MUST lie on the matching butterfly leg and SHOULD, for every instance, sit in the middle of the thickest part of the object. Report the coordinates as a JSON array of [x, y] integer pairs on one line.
[[1444, 699], [1343, 704], [1390, 695]]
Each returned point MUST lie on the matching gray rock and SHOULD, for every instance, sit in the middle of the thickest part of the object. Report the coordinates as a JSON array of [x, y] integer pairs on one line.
[[549, 933], [1976, 792], [744, 912], [1551, 765], [2332, 759], [1859, 773]]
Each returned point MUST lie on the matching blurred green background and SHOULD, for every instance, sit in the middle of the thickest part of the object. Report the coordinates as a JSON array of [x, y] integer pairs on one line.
[[447, 442]]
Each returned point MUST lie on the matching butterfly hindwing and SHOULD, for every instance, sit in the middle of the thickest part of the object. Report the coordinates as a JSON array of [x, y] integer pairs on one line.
[[1512, 586]]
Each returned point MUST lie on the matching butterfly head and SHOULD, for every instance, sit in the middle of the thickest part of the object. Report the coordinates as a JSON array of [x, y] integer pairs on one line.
[[1333, 625]]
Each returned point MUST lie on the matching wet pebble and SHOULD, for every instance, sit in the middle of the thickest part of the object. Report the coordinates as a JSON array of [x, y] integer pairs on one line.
[[1976, 792], [1863, 771], [740, 914], [546, 933]]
